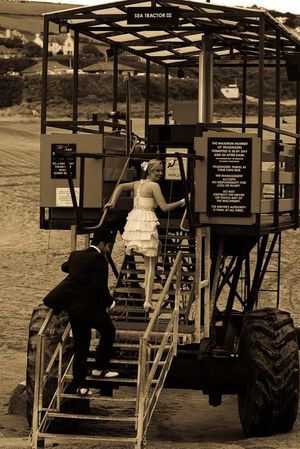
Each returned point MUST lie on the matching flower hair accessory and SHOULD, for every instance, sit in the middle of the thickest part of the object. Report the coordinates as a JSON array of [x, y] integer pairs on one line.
[[144, 165]]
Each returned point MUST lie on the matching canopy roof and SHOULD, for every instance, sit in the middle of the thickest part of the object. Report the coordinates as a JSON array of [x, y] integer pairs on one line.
[[235, 32]]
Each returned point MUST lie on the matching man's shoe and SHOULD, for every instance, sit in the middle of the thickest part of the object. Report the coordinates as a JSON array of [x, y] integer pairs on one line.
[[83, 391], [104, 373]]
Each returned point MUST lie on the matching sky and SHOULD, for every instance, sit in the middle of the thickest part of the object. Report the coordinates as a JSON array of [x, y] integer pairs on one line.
[[292, 6]]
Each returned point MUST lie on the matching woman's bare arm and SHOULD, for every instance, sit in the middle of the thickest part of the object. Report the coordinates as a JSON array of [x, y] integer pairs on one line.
[[159, 198], [125, 187]]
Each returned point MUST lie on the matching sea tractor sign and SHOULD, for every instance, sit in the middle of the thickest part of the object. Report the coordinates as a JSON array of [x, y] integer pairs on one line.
[[153, 16]]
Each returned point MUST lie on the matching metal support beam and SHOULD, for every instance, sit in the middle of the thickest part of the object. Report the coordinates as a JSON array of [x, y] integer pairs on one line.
[[44, 76], [244, 94], [261, 76], [205, 88], [115, 79], [166, 95], [75, 77], [147, 97]]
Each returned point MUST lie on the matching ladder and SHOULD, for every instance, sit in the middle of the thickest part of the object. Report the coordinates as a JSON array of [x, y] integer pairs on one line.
[[120, 409]]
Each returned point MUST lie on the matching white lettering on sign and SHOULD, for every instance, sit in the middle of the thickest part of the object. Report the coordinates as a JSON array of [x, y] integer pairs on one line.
[[152, 15], [63, 196]]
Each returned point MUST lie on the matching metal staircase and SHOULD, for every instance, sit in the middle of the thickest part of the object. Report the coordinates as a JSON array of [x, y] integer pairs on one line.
[[120, 409]]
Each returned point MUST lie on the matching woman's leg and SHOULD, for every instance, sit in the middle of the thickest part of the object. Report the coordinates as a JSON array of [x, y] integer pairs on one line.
[[150, 265]]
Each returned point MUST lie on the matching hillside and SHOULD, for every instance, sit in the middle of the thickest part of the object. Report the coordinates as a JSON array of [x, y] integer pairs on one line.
[[26, 17]]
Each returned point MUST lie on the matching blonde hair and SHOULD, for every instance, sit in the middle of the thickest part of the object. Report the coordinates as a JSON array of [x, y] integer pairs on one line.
[[153, 164]]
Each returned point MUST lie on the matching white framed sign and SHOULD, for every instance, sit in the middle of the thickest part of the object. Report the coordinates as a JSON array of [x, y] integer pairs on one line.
[[63, 196], [172, 171]]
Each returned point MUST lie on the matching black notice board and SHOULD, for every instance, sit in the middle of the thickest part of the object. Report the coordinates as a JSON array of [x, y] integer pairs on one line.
[[229, 161], [58, 167]]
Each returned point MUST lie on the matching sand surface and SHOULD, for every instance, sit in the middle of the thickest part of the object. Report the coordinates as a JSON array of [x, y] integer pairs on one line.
[[30, 266]]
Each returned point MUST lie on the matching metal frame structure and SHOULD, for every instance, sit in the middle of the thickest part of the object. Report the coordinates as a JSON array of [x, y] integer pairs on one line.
[[228, 272], [204, 36]]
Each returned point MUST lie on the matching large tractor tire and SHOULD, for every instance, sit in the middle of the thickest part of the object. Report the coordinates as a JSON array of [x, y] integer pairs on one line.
[[53, 333], [269, 353]]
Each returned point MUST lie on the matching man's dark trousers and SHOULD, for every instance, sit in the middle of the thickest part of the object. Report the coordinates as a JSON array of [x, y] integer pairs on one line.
[[81, 328]]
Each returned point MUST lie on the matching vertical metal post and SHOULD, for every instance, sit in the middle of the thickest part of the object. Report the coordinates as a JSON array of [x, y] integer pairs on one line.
[[128, 116], [59, 376], [75, 79], [198, 280], [44, 76], [205, 87], [166, 95], [147, 97], [81, 186], [140, 402], [277, 134], [37, 388], [73, 237], [261, 77], [244, 94], [176, 307], [278, 269], [297, 157], [206, 277], [115, 78]]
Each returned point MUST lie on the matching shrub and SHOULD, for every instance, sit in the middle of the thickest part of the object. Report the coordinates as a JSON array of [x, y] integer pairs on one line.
[[11, 88]]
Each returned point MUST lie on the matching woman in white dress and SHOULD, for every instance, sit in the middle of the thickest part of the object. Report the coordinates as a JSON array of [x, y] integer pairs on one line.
[[140, 232]]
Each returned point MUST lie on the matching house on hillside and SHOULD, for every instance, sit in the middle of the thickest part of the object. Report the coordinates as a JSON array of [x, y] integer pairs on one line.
[[13, 34], [107, 67], [58, 43]]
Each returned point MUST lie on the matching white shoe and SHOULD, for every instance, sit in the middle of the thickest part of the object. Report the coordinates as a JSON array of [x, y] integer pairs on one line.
[[104, 373], [148, 306]]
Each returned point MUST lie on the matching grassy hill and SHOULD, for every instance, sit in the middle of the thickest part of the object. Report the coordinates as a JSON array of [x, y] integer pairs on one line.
[[26, 17]]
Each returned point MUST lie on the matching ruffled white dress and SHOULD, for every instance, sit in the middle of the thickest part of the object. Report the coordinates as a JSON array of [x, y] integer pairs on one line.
[[140, 232]]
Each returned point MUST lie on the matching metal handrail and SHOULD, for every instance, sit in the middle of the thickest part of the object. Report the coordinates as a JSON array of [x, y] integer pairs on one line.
[[42, 374], [143, 156], [101, 221], [145, 405]]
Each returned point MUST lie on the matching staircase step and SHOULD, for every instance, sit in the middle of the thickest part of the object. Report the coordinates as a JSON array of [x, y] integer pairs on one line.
[[119, 380], [96, 438], [91, 417], [119, 361], [98, 397], [137, 290], [169, 236], [138, 271], [132, 346]]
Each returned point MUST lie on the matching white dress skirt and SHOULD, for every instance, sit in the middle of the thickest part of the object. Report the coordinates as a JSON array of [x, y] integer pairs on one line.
[[140, 232]]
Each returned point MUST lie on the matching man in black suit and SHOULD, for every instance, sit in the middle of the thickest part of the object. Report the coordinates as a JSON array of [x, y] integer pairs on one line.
[[84, 294]]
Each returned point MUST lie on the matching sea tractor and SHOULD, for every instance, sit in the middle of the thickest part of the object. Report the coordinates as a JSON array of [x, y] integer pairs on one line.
[[217, 326]]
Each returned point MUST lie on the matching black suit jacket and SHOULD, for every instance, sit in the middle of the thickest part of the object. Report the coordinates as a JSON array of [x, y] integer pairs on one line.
[[85, 289]]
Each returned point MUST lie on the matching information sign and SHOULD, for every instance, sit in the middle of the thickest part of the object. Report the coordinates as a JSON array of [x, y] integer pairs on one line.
[[172, 171], [229, 176], [64, 198], [158, 16], [58, 166]]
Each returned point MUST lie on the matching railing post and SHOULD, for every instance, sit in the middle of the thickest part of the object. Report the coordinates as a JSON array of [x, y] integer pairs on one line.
[[198, 308], [38, 390], [141, 393], [59, 376], [176, 306], [206, 275]]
